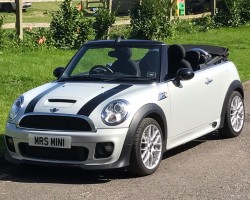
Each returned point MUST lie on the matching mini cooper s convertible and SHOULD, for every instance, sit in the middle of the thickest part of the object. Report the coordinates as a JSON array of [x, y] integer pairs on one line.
[[123, 103]]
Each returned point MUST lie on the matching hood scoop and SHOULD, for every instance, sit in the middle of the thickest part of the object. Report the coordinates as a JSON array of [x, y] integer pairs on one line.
[[61, 101]]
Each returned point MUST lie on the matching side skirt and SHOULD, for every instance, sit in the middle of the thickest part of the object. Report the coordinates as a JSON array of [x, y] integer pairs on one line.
[[193, 134]]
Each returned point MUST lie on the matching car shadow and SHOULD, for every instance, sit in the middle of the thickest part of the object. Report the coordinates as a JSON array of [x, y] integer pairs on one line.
[[62, 175], [190, 145]]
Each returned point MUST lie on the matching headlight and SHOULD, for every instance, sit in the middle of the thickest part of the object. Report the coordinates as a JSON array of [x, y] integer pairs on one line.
[[115, 112], [16, 107]]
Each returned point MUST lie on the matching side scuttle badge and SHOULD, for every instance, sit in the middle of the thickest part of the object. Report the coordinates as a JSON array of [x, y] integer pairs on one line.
[[162, 95]]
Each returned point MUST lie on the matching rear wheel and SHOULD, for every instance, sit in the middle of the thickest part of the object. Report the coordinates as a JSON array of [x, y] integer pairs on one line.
[[7, 7], [235, 114], [146, 152]]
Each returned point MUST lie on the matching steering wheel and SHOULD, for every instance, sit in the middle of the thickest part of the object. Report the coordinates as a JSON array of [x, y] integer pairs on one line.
[[97, 69]]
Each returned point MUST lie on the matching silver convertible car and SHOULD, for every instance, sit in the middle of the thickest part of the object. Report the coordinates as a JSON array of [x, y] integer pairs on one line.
[[123, 103]]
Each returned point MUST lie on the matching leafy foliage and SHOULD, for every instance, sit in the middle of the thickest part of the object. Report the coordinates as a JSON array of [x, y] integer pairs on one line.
[[245, 12], [104, 19], [204, 23], [150, 19], [70, 29], [229, 13], [33, 39], [122, 31]]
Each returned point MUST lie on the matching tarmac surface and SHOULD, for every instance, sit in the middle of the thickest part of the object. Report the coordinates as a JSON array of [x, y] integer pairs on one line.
[[207, 168]]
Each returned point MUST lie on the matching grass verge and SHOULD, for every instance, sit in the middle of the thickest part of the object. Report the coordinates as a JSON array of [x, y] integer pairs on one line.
[[40, 12], [37, 13]]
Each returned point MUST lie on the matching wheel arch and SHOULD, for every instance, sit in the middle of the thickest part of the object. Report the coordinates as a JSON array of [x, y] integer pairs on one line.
[[234, 86], [150, 110]]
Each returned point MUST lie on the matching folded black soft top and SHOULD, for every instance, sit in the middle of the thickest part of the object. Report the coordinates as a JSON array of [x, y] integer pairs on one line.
[[214, 50]]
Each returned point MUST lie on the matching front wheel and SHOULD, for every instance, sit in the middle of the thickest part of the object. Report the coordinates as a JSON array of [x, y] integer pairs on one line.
[[234, 118], [146, 152]]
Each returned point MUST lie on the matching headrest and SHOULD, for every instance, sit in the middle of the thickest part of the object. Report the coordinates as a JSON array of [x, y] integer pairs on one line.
[[176, 52], [122, 53], [193, 57]]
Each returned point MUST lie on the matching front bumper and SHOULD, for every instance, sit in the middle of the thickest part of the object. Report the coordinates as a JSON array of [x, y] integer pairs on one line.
[[88, 140]]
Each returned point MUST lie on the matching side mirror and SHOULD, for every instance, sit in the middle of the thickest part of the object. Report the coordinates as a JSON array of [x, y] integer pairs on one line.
[[183, 74], [58, 72]]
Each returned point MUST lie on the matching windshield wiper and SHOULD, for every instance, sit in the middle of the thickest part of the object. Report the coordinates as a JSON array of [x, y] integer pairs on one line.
[[83, 78], [131, 78]]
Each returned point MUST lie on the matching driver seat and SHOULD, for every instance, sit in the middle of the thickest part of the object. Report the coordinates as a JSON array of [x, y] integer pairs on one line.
[[124, 64], [176, 56]]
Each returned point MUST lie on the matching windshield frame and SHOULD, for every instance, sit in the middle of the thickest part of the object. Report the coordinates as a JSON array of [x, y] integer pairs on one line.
[[92, 45]]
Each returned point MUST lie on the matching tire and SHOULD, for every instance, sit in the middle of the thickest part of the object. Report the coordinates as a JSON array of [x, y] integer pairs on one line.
[[146, 153], [235, 115], [7, 7]]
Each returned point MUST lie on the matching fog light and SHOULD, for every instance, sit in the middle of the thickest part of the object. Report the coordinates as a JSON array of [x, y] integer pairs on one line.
[[10, 143], [104, 150]]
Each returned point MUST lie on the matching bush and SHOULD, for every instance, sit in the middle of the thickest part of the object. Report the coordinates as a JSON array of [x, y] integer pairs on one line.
[[103, 21], [245, 12], [229, 13], [69, 27], [1, 32], [32, 39], [205, 23], [122, 31], [150, 19]]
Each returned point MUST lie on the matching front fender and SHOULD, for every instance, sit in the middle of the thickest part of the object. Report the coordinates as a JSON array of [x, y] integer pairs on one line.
[[149, 110]]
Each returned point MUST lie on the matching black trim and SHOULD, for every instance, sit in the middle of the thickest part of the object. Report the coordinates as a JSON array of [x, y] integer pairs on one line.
[[88, 108], [235, 85], [62, 100], [215, 50], [143, 112], [33, 102], [122, 162], [164, 63]]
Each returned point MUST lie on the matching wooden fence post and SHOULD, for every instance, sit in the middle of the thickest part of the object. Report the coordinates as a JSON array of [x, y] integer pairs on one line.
[[110, 5], [109, 2], [213, 7], [19, 19], [171, 11]]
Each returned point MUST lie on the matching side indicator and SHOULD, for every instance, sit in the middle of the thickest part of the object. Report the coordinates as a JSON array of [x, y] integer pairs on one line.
[[162, 96]]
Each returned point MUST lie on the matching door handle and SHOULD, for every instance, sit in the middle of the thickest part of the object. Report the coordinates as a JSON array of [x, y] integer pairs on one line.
[[208, 81]]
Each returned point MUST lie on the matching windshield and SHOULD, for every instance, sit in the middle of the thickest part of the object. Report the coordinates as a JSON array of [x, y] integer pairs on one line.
[[119, 63]]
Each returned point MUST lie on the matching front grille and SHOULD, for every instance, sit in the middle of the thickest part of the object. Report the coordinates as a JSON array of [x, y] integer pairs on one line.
[[49, 153], [55, 122]]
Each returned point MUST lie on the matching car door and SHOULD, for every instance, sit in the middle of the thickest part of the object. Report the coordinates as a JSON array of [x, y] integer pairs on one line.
[[197, 103]]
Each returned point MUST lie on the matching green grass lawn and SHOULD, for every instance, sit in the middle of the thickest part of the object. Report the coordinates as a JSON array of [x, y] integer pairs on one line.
[[37, 13], [236, 39], [21, 71]]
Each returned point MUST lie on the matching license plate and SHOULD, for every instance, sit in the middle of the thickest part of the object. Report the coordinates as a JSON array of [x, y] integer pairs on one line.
[[50, 141]]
